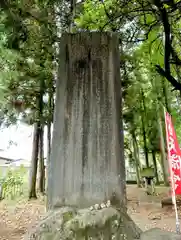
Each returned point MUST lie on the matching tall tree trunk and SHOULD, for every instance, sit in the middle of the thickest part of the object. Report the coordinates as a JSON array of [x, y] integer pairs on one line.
[[49, 123], [143, 128], [155, 166], [178, 95], [35, 151], [34, 162], [50, 120], [165, 94], [137, 149], [41, 161], [163, 153], [48, 142], [145, 144], [136, 157], [164, 163], [72, 15]]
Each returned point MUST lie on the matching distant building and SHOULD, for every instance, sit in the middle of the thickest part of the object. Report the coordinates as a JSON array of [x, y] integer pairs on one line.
[[10, 163], [5, 161]]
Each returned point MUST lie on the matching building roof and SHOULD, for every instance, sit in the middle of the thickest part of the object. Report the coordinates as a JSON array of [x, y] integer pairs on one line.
[[6, 161]]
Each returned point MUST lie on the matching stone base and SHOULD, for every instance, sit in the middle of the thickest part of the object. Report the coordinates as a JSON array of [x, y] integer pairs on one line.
[[68, 223], [168, 201], [85, 224]]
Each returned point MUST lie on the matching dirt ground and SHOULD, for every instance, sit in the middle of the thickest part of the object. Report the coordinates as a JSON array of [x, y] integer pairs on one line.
[[146, 211]]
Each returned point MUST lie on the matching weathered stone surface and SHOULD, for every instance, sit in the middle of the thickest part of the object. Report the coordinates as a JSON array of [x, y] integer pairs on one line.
[[158, 234], [49, 227], [69, 223], [87, 155]]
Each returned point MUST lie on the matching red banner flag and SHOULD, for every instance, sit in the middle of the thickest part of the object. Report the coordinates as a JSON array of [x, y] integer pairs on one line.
[[174, 156]]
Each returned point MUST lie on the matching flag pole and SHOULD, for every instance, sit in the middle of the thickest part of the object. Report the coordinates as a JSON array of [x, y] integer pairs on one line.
[[174, 202]]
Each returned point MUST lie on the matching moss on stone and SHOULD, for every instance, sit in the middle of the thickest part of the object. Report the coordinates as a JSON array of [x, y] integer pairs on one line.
[[68, 223]]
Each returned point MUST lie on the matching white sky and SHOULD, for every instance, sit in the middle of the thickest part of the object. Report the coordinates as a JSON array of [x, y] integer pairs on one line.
[[22, 135]]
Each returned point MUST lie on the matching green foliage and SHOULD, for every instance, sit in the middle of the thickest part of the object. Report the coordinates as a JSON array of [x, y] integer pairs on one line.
[[27, 54], [12, 183], [93, 16]]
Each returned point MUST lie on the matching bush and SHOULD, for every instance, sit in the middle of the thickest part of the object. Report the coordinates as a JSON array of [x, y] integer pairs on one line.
[[12, 183]]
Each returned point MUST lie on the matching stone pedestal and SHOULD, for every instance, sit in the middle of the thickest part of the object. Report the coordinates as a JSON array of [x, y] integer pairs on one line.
[[87, 160]]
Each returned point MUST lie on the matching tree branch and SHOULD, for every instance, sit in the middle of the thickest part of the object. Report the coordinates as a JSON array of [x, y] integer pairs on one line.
[[169, 77], [176, 59]]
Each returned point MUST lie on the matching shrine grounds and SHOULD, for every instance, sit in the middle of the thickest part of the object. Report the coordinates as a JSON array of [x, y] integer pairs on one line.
[[16, 216]]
